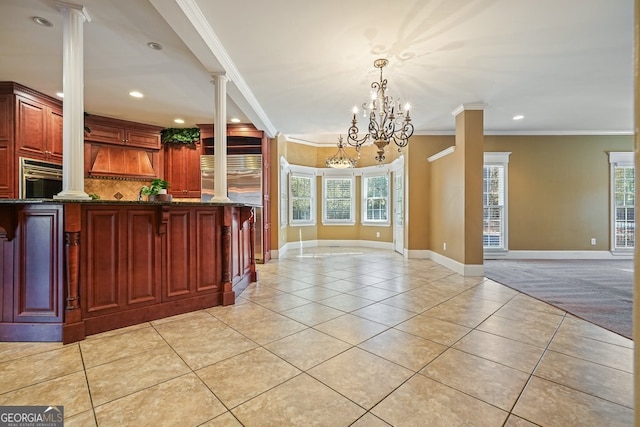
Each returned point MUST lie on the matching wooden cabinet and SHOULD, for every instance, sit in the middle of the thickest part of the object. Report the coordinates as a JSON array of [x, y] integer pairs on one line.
[[31, 127], [182, 169], [39, 129], [31, 262], [7, 177], [122, 132]]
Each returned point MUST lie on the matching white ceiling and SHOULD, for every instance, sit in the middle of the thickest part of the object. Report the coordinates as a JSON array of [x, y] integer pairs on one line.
[[299, 66]]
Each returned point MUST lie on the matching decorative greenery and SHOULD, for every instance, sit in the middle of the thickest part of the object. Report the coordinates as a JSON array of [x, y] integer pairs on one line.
[[94, 196], [180, 135], [156, 185]]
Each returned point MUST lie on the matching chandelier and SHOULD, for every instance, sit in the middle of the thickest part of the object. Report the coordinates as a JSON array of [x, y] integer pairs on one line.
[[340, 160], [388, 119]]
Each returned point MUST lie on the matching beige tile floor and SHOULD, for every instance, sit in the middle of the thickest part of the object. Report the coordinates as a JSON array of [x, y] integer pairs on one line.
[[338, 337]]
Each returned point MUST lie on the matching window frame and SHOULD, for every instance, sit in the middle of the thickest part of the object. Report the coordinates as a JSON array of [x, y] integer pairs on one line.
[[616, 160], [284, 197], [352, 208], [312, 199], [364, 199], [498, 159]]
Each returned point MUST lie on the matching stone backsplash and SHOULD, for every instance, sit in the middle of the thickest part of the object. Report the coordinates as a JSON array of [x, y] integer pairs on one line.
[[120, 189], [114, 189]]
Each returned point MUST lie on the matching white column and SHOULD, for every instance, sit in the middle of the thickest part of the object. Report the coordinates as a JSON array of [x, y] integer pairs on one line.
[[74, 16], [220, 139]]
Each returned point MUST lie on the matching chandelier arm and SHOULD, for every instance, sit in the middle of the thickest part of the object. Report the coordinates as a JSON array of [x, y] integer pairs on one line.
[[385, 123]]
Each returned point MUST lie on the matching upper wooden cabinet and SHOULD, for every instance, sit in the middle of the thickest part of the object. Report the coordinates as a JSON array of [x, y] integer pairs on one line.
[[6, 147], [38, 129], [182, 169], [121, 132], [31, 127]]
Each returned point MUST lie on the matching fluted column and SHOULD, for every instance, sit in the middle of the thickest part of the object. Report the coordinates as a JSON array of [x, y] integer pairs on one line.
[[74, 16], [220, 138]]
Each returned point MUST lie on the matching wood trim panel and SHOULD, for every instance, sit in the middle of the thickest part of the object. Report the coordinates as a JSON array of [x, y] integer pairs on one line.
[[143, 258], [101, 264], [38, 279], [208, 251], [179, 254]]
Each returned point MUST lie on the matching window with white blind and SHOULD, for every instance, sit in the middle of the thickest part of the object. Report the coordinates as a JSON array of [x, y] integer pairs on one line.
[[375, 203], [623, 180], [338, 200], [284, 197], [494, 201], [302, 190]]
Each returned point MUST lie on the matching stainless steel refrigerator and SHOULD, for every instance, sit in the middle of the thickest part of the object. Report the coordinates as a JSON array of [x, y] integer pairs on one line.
[[244, 185]]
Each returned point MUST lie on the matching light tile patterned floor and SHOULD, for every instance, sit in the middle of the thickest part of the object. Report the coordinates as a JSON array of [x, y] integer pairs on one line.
[[339, 337]]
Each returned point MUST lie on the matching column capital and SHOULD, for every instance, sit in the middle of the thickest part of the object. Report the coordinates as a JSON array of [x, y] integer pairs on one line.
[[65, 5], [219, 76], [470, 106]]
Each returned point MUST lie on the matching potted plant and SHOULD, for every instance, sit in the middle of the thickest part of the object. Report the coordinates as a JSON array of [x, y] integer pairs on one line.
[[156, 191]]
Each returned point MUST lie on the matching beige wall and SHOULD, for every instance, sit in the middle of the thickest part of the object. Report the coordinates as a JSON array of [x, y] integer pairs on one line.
[[558, 190], [558, 193], [418, 188]]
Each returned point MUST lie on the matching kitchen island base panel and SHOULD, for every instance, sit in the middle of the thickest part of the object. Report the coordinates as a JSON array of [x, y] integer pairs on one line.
[[115, 259]]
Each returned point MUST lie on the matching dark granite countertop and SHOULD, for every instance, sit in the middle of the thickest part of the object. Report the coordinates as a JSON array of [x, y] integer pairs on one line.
[[118, 202]]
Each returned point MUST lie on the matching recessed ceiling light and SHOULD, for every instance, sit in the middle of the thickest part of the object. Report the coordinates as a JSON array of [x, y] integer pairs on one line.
[[42, 21], [235, 120], [518, 117], [180, 121], [154, 45], [60, 94], [136, 94]]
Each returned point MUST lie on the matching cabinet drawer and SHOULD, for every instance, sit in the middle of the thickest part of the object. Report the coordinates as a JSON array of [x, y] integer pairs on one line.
[[143, 139], [104, 133]]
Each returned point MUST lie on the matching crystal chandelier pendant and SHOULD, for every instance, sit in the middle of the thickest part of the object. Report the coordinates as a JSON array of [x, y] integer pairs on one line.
[[341, 160], [388, 119]]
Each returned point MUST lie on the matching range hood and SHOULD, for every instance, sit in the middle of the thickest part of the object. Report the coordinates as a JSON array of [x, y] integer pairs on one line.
[[122, 162]]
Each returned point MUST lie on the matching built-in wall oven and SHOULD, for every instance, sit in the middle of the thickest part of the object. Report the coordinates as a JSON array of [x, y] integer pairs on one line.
[[39, 180]]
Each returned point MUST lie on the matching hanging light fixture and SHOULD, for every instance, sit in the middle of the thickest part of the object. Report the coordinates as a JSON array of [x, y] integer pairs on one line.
[[389, 120], [340, 160]]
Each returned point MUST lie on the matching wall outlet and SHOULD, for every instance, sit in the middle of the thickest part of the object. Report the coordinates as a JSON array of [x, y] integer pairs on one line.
[[444, 246], [593, 241], [377, 234]]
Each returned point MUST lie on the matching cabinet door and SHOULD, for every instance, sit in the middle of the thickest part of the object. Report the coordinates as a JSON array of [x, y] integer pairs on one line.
[[182, 170], [54, 140], [192, 171], [142, 139], [6, 147], [105, 133], [39, 288], [32, 126]]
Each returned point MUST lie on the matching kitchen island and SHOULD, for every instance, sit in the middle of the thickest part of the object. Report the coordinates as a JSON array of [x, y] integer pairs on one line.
[[76, 268]]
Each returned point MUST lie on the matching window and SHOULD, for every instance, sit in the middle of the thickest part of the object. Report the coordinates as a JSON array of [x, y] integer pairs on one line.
[[375, 205], [284, 197], [623, 195], [338, 205], [494, 202], [302, 196]]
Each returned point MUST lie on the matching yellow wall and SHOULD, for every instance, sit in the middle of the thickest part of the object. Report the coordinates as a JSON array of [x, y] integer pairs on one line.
[[558, 193], [418, 188], [558, 190]]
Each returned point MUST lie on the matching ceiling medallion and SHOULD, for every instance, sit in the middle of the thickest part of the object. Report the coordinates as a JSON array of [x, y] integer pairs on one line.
[[341, 160], [388, 119]]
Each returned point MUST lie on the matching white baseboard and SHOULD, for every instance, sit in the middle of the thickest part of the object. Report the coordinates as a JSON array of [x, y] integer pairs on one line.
[[458, 267], [561, 255]]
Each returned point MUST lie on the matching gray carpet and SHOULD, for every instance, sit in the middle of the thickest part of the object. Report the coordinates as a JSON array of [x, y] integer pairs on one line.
[[599, 291]]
